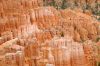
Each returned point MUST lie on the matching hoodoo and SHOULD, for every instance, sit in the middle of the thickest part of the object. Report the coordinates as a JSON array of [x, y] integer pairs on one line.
[[34, 34]]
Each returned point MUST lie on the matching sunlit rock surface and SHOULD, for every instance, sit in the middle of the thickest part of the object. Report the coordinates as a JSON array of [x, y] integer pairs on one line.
[[33, 35]]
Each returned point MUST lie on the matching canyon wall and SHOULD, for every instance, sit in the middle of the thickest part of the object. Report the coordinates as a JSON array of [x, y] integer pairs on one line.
[[34, 35]]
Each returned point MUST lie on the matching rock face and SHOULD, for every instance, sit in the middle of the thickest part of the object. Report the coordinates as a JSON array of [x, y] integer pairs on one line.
[[33, 35], [81, 25]]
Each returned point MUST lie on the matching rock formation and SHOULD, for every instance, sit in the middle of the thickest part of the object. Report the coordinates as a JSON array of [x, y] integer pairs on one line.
[[34, 35]]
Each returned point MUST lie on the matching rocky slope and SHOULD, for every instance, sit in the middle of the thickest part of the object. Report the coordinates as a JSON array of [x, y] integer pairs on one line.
[[90, 7], [33, 35]]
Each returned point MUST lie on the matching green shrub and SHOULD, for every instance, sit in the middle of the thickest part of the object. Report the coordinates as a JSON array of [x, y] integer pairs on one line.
[[98, 64], [62, 34], [96, 10], [64, 4], [98, 19], [97, 39]]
